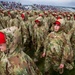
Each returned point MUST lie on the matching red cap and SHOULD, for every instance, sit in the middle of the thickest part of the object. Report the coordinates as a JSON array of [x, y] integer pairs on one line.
[[22, 15], [37, 21], [2, 38], [57, 23]]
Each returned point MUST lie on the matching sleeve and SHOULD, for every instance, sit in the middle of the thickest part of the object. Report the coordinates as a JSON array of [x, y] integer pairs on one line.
[[46, 43], [71, 32], [24, 32]]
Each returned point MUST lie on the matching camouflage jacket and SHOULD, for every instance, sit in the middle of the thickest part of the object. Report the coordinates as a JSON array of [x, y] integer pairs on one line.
[[39, 34], [14, 61], [58, 48]]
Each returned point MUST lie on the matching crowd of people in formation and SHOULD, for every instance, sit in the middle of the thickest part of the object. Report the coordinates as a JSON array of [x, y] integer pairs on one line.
[[44, 7], [29, 35], [11, 5]]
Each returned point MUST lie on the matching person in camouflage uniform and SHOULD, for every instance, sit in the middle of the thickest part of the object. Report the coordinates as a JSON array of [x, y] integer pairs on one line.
[[39, 35], [52, 20], [73, 41], [6, 18], [13, 20], [68, 24], [47, 19], [24, 27], [2, 25], [13, 61], [21, 21], [58, 50], [26, 31]]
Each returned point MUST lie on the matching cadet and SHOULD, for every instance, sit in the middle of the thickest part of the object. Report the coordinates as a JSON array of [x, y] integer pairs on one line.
[[57, 49], [13, 61], [39, 35]]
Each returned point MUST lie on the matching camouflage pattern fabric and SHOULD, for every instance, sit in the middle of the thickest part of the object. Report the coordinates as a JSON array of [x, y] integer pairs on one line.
[[15, 61]]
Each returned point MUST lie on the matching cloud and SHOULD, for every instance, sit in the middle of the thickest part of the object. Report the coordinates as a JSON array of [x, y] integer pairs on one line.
[[50, 2], [47, 2], [11, 0]]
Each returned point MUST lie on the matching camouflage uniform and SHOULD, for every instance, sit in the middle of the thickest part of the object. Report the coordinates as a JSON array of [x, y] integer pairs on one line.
[[73, 42], [58, 51], [14, 21], [52, 20], [47, 19], [14, 61], [6, 19], [68, 25], [39, 35], [1, 23], [22, 24]]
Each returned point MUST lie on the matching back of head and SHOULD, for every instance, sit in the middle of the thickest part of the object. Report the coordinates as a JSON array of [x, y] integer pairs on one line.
[[13, 14], [40, 20], [5, 12]]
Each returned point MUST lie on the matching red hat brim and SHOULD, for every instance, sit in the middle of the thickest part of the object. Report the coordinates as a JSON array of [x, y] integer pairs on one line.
[[2, 38], [57, 23], [37, 21], [22, 15]]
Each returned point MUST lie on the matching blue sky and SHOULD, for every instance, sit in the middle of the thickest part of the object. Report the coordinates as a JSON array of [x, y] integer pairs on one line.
[[47, 2]]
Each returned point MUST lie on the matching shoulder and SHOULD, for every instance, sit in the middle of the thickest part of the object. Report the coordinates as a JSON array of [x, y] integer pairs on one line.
[[52, 33]]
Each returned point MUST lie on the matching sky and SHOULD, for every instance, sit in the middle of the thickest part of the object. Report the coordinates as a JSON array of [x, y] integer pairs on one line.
[[47, 2]]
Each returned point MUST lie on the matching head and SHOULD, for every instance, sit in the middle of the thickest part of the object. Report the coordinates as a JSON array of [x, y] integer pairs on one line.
[[57, 26], [39, 21], [41, 15], [68, 18], [2, 42], [5, 13], [13, 14], [46, 13]]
